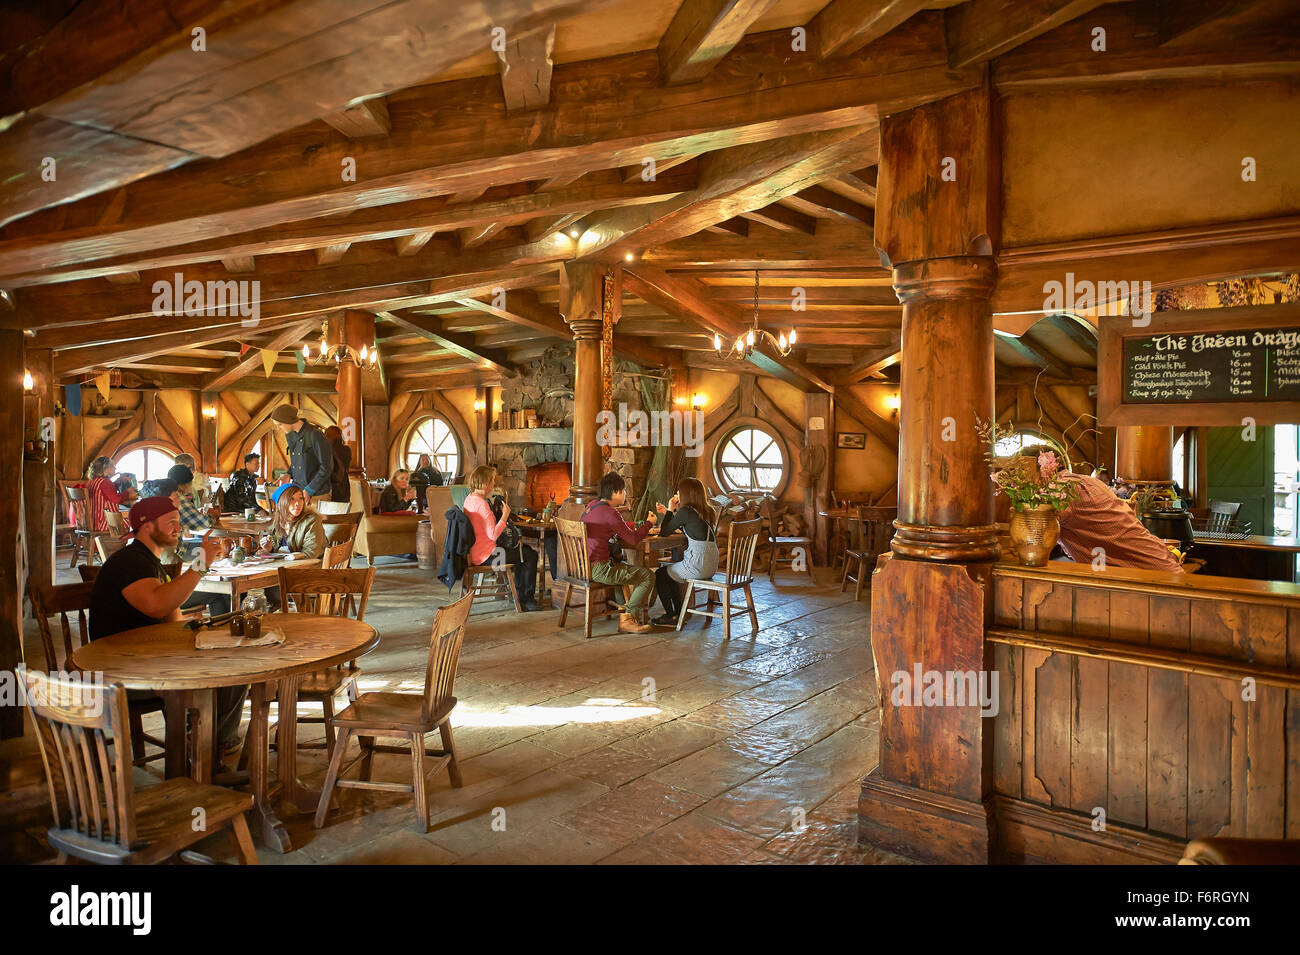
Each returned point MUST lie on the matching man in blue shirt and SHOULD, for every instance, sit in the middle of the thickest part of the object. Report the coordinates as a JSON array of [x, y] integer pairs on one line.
[[310, 457]]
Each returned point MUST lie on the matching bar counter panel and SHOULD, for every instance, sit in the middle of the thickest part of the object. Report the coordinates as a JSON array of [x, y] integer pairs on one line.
[[1168, 702]]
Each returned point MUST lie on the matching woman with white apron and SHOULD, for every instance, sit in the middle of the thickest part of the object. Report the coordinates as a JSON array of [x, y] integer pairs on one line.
[[693, 517]]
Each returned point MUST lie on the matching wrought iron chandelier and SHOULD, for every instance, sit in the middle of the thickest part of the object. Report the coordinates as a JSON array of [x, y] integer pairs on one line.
[[746, 342], [327, 354]]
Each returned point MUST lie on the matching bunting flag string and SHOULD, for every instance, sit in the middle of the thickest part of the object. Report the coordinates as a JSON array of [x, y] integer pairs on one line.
[[102, 383], [302, 362], [268, 360], [72, 398], [243, 348]]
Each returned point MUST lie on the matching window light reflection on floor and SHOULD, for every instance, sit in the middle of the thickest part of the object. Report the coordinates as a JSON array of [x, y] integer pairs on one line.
[[596, 709]]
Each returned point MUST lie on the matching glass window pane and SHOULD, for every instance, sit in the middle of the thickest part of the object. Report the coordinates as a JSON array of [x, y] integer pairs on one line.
[[751, 460]]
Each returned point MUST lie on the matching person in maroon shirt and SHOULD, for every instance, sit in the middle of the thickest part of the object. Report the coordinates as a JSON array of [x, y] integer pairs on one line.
[[604, 523]]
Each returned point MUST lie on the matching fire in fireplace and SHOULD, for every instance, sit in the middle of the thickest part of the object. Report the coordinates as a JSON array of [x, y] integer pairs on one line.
[[542, 481]]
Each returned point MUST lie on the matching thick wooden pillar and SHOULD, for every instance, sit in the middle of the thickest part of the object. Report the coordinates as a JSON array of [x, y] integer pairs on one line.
[[930, 795], [357, 329], [1144, 453], [12, 576], [582, 297], [818, 465], [208, 435], [40, 493]]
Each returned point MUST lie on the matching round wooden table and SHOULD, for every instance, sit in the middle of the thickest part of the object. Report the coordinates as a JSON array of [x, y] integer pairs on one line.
[[162, 659]]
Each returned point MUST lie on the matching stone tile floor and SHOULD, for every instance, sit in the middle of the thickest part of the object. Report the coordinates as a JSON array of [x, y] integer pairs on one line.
[[627, 748]]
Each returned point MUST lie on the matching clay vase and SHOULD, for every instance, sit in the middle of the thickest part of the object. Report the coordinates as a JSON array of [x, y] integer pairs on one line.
[[237, 555], [1033, 534]]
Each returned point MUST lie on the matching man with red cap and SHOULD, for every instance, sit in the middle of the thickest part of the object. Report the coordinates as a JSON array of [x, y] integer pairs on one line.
[[133, 590]]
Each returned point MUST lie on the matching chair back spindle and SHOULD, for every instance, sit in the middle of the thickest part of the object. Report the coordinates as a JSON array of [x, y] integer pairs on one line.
[[337, 556], [572, 537], [444, 654], [67, 601], [334, 593], [743, 541]]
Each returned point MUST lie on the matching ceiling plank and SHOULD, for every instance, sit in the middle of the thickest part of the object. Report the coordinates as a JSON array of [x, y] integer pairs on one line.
[[836, 244], [1191, 22], [437, 146], [701, 33], [474, 236], [368, 118], [1084, 338], [980, 30], [238, 263], [523, 309], [1036, 354], [846, 26], [413, 243], [779, 217], [872, 364], [526, 64], [448, 380], [289, 336], [821, 196], [430, 328], [330, 254]]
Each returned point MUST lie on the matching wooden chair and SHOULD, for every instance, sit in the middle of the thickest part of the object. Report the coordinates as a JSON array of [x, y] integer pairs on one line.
[[66, 600], [572, 539], [1222, 516], [503, 576], [99, 815], [873, 529], [391, 714], [340, 524], [88, 572], [116, 539], [738, 575], [333, 593], [85, 535], [337, 556], [784, 550]]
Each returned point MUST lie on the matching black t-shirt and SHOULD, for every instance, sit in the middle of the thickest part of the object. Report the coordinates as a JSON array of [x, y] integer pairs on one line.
[[110, 612]]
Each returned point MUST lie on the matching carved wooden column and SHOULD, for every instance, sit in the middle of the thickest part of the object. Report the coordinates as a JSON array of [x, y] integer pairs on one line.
[[582, 298], [40, 492], [936, 226], [208, 435], [357, 329], [12, 577], [1144, 453]]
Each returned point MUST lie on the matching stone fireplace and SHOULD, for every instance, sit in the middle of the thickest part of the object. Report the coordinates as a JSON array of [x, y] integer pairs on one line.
[[518, 452], [547, 482]]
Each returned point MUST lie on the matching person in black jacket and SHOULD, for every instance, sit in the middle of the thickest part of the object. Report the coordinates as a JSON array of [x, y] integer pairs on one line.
[[456, 548], [242, 493], [339, 487], [424, 477], [310, 457]]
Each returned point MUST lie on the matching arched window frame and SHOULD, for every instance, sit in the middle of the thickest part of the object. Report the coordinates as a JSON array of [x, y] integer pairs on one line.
[[406, 454], [162, 447], [736, 425]]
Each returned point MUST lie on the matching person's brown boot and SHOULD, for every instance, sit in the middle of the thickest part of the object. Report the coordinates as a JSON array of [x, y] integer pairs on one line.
[[627, 623]]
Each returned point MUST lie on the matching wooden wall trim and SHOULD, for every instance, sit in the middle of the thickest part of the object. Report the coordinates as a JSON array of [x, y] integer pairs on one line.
[[1187, 586], [1027, 833], [1156, 657]]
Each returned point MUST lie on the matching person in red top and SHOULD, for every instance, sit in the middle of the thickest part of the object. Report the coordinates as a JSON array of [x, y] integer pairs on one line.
[[1097, 523], [604, 523], [102, 494]]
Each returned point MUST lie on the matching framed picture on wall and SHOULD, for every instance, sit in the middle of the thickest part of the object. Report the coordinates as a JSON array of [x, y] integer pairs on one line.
[[852, 440]]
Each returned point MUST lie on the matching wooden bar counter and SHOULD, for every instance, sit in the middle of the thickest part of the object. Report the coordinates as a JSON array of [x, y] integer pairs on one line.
[[1139, 710], [1254, 558]]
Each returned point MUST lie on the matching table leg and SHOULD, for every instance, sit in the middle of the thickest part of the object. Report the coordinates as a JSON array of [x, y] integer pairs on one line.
[[274, 834], [203, 732], [286, 747], [175, 714]]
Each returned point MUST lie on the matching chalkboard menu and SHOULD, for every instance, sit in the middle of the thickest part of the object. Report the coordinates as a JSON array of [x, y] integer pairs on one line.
[[1222, 366]]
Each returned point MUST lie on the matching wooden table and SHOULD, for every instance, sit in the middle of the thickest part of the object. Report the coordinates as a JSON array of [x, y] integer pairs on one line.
[[238, 527], [646, 554], [235, 580], [1254, 558], [849, 515], [539, 531], [162, 659]]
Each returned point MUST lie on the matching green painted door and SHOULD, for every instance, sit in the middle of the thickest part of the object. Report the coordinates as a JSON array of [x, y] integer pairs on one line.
[[1243, 471]]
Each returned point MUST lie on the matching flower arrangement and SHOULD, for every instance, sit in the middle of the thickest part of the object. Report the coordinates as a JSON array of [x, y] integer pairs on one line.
[[1028, 488]]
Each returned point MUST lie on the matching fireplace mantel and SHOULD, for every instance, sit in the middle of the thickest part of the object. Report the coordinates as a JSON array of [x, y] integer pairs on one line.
[[531, 436]]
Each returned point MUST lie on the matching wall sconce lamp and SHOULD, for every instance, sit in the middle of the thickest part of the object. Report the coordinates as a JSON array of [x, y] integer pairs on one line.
[[697, 400], [893, 402], [27, 382], [480, 405], [209, 411]]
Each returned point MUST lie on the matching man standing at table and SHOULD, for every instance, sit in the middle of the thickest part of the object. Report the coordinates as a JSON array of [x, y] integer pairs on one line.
[[310, 457], [132, 590]]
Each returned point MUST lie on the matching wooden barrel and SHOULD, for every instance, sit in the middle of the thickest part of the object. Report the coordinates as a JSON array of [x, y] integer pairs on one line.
[[425, 554]]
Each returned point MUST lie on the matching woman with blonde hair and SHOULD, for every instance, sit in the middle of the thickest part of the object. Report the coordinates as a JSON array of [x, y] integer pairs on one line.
[[492, 534], [399, 496], [690, 513], [102, 494], [295, 527]]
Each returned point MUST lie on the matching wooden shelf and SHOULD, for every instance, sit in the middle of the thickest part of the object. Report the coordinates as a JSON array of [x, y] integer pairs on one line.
[[531, 436]]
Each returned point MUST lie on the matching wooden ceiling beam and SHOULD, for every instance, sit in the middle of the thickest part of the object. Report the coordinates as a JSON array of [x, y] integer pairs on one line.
[[444, 148], [779, 217], [292, 335], [329, 254], [1036, 354], [367, 118], [524, 309], [846, 26], [413, 243], [834, 202], [447, 380], [701, 33], [687, 298], [464, 346], [474, 236], [1191, 22], [836, 244], [980, 30], [1084, 338], [526, 64], [872, 364], [736, 226]]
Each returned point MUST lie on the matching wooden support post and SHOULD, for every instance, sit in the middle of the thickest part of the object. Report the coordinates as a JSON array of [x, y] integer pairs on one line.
[[40, 493], [483, 401], [378, 459], [818, 464], [12, 571], [582, 297], [208, 463], [357, 329], [930, 795], [1144, 453]]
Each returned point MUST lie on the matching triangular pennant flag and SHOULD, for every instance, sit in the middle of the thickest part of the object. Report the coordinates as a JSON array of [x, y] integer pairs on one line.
[[72, 398], [268, 360], [243, 348], [302, 362], [101, 382]]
